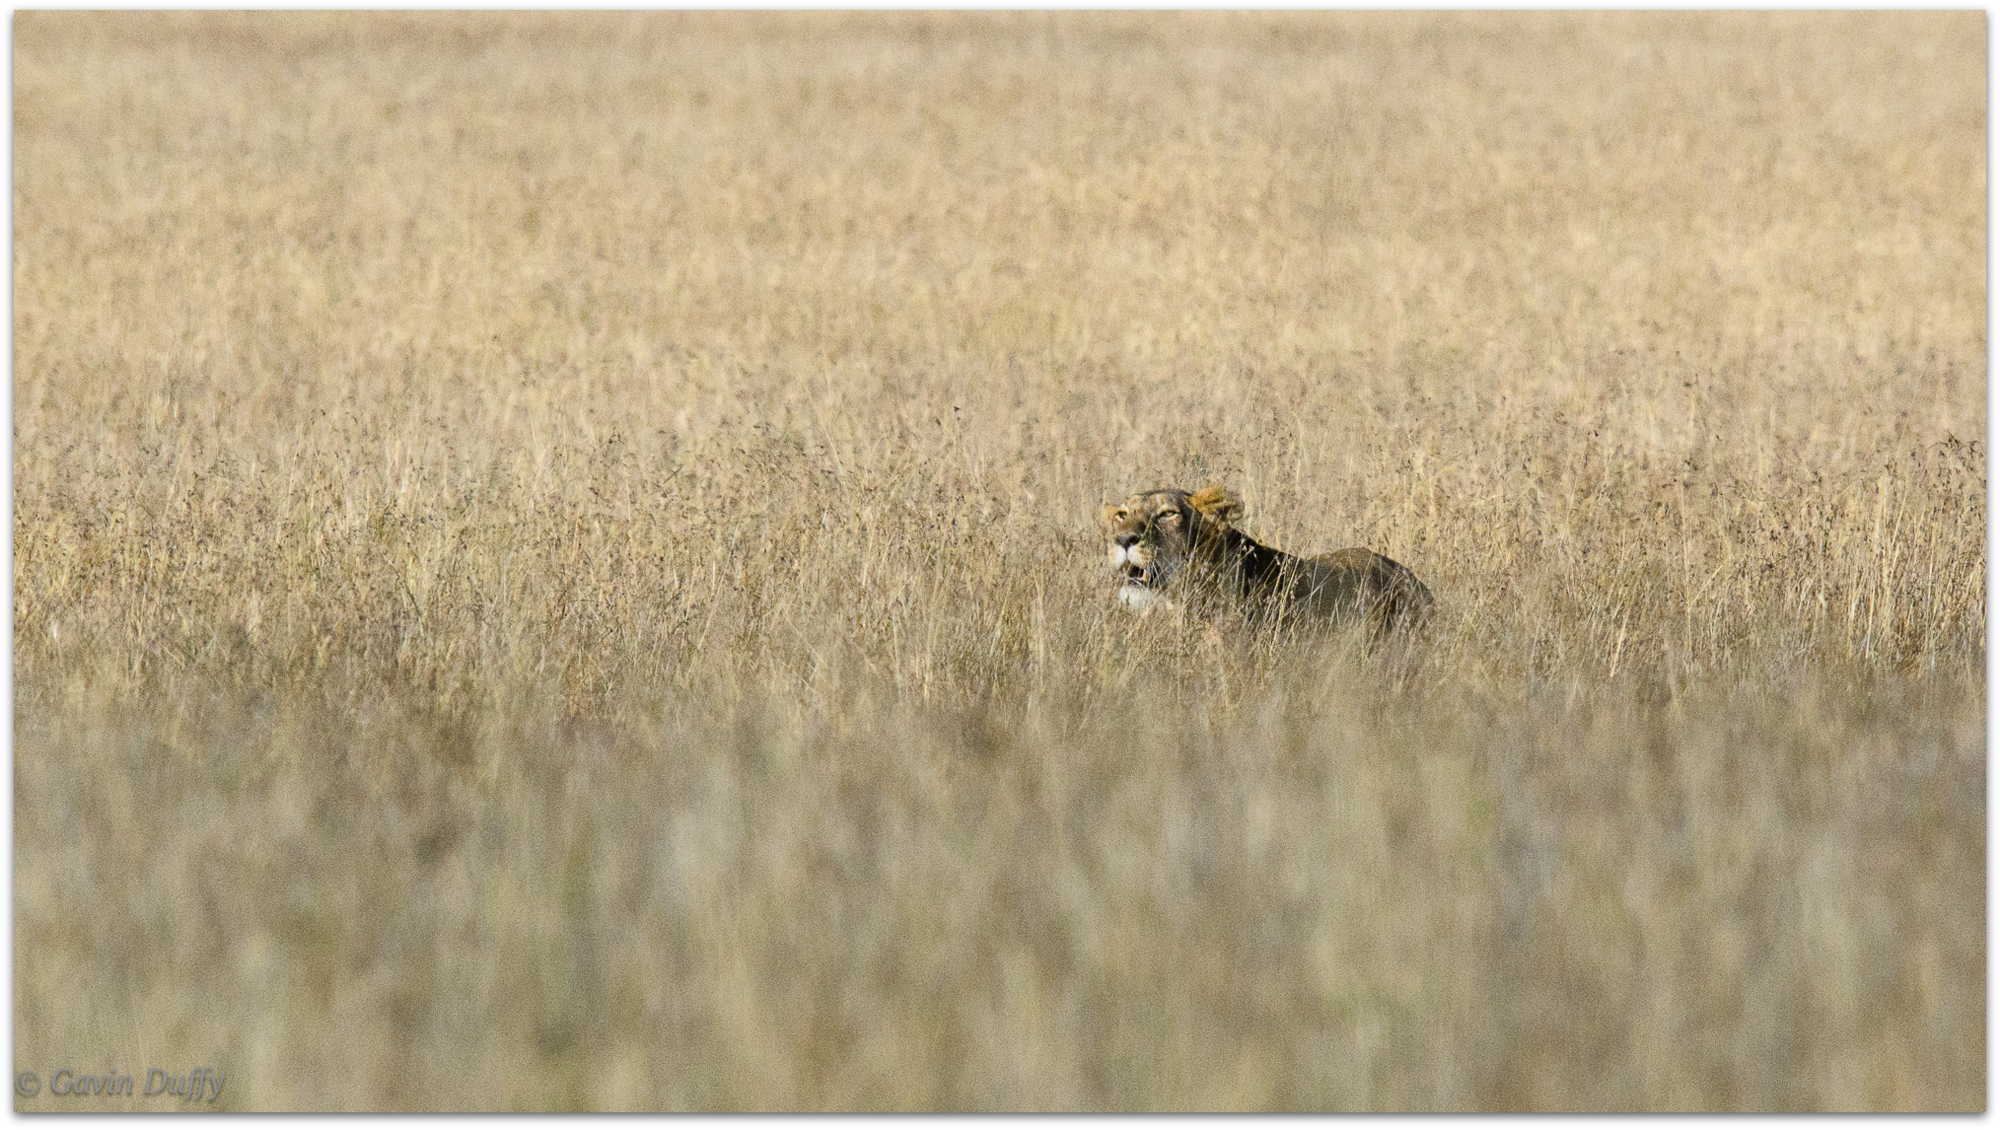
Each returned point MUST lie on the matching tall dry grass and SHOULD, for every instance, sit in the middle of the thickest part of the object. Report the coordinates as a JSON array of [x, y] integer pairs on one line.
[[553, 568]]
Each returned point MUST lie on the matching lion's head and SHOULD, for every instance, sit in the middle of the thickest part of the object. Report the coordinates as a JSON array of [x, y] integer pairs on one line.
[[1154, 535]]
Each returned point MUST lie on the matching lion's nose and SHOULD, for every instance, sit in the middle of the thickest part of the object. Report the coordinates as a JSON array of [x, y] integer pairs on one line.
[[1126, 541]]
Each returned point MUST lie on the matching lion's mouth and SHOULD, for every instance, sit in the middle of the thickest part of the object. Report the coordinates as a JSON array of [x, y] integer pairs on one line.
[[1137, 568]]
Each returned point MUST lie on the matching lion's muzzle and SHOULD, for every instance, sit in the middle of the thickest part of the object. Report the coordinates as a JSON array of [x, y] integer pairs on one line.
[[1141, 575], [1133, 562]]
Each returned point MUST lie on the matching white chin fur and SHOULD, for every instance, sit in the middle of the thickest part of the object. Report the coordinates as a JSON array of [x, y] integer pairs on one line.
[[1141, 599]]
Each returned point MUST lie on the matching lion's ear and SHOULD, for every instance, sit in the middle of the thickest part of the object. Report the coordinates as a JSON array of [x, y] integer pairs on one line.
[[1217, 502]]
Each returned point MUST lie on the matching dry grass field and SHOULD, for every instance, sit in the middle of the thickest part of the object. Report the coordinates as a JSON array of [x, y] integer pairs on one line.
[[553, 561]]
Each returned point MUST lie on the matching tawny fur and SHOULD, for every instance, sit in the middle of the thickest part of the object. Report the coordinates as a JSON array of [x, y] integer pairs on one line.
[[1171, 544]]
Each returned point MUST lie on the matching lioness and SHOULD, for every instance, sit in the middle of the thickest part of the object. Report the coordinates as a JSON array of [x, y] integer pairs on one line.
[[1167, 543]]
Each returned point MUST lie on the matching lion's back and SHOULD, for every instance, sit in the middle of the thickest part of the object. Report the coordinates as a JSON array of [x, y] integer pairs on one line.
[[1361, 580]]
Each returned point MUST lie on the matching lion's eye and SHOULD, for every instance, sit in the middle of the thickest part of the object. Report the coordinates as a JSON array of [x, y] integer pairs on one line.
[[1168, 516]]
